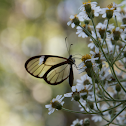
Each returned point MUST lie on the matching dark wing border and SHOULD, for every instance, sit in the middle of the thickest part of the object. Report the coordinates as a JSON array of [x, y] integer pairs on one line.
[[53, 67], [46, 57]]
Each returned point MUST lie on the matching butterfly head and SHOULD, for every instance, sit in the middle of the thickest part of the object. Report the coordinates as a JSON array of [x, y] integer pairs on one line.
[[71, 60]]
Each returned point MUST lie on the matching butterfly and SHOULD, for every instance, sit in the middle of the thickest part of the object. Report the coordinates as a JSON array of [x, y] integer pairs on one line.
[[53, 69]]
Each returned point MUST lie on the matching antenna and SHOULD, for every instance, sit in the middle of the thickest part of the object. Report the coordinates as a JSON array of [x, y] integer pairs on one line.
[[68, 50], [66, 45]]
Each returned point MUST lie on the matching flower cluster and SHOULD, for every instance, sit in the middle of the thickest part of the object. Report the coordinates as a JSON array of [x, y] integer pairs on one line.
[[101, 91]]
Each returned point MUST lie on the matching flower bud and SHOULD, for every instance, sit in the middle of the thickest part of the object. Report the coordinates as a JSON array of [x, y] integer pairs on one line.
[[86, 22], [88, 8], [86, 122], [84, 93], [116, 35], [124, 20], [76, 96], [56, 105], [102, 32], [109, 14], [91, 14], [91, 105], [78, 124], [118, 88], [88, 64], [88, 70], [76, 21], [124, 54]]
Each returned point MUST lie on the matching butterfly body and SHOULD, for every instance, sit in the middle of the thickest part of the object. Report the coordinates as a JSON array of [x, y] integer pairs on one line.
[[53, 69]]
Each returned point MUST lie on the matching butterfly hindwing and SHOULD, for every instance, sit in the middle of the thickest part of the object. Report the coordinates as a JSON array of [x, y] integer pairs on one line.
[[57, 73], [53, 69]]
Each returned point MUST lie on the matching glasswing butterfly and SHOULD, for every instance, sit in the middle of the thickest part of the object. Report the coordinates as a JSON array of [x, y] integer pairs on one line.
[[53, 69]]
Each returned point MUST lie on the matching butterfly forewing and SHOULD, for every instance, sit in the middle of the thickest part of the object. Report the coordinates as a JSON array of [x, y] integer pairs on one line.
[[39, 65]]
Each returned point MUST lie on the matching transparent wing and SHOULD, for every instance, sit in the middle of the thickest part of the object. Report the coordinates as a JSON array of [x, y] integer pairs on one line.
[[38, 66], [57, 74]]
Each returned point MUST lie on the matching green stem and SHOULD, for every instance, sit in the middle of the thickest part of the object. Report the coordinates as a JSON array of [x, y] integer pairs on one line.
[[116, 21], [120, 68], [113, 71], [119, 54], [79, 111], [94, 28], [116, 115]]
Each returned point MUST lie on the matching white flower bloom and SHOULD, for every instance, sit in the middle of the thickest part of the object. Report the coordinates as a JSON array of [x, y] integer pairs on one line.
[[122, 116], [83, 78], [80, 32], [104, 74], [115, 30], [77, 122], [92, 59], [96, 118], [91, 45], [74, 89], [83, 16], [96, 10], [110, 7], [58, 99], [93, 35], [71, 22], [123, 35], [81, 67], [123, 2], [93, 7], [102, 26], [82, 7], [83, 102]]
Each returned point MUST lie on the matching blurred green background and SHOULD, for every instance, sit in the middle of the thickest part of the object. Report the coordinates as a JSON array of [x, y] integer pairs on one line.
[[29, 28]]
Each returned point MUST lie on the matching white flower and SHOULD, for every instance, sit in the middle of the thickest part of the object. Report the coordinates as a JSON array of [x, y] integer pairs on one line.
[[102, 26], [80, 32], [83, 102], [71, 22], [77, 121], [81, 67], [96, 118], [123, 35], [110, 7], [91, 45], [93, 35], [96, 10], [121, 118], [123, 2], [83, 78], [105, 74], [82, 7], [93, 7], [83, 15], [50, 106], [74, 90], [117, 29]]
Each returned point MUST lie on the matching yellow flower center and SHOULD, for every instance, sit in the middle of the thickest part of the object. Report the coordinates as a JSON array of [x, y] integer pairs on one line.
[[75, 16], [89, 1], [110, 6], [85, 57]]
